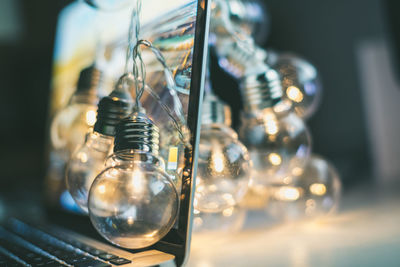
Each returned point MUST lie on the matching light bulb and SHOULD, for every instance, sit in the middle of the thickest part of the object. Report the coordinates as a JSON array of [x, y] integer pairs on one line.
[[70, 124], [223, 170], [278, 140], [300, 83], [279, 146], [133, 203], [88, 161], [316, 192]]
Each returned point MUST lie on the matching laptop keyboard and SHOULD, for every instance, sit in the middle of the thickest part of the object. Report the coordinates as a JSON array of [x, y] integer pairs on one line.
[[24, 245]]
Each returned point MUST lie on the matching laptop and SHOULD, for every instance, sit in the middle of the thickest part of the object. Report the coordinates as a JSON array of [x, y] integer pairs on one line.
[[64, 236]]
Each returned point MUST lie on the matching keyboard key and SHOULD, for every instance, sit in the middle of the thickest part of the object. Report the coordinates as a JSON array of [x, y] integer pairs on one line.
[[92, 263], [120, 261], [107, 256], [23, 253], [95, 252], [78, 260]]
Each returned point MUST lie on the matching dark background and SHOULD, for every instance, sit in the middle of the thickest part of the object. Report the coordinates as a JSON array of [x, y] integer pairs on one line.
[[324, 32]]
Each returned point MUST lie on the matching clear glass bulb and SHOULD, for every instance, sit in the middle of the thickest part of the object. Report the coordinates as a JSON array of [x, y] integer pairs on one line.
[[85, 164], [300, 82], [279, 145], [71, 124], [134, 203], [223, 170], [316, 192]]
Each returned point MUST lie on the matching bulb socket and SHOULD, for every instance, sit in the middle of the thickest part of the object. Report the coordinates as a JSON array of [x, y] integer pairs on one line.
[[112, 109], [89, 80], [215, 111], [137, 132], [261, 90]]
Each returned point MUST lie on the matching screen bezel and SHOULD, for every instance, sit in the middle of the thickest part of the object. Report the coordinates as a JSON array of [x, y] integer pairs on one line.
[[177, 241]]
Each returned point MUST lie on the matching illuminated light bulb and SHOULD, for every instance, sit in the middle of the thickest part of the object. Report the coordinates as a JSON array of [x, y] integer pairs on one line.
[[300, 82], [279, 146], [316, 192], [223, 171], [88, 161], [133, 203], [70, 124], [278, 141]]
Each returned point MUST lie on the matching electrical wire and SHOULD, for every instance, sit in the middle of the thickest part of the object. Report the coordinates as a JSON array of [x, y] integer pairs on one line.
[[139, 75]]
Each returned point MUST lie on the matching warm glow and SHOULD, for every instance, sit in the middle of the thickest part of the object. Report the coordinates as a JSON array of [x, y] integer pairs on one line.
[[101, 189], [229, 199], [287, 193], [318, 189], [287, 180], [82, 156], [217, 159], [228, 212], [91, 117], [275, 159], [294, 94], [130, 220], [213, 188], [271, 124], [297, 171]]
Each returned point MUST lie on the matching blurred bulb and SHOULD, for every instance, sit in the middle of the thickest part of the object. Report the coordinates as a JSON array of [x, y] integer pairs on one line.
[[91, 117], [315, 193], [85, 164], [71, 123], [88, 161], [279, 146], [300, 82], [133, 203], [223, 170]]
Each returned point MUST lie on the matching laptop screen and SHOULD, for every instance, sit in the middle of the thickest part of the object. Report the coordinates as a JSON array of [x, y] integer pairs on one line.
[[91, 34]]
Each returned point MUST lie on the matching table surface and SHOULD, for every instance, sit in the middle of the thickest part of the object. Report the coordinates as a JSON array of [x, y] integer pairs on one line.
[[365, 232]]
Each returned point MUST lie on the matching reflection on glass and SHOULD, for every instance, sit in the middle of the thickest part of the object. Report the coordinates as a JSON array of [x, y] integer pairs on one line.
[[300, 82]]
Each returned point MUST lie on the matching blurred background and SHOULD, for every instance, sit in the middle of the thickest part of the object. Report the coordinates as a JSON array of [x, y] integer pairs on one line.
[[353, 44]]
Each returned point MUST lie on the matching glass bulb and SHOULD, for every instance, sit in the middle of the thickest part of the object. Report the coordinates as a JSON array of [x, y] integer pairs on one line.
[[134, 203], [300, 82], [85, 164], [279, 145], [314, 193], [223, 170], [70, 125]]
